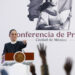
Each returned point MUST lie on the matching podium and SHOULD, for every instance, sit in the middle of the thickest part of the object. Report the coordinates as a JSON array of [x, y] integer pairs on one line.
[[18, 57], [10, 56]]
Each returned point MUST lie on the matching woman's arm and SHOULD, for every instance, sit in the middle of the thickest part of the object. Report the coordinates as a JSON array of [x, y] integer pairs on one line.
[[43, 19], [5, 50], [51, 11], [23, 44]]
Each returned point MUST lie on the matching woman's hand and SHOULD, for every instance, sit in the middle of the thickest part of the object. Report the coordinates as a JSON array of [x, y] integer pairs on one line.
[[24, 41]]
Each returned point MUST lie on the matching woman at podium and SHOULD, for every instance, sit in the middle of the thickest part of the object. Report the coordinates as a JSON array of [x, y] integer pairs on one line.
[[14, 45]]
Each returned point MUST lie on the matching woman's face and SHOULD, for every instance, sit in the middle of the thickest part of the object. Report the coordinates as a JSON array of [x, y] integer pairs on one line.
[[13, 36]]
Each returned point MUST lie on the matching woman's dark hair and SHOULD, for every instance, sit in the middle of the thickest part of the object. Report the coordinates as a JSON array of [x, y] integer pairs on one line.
[[45, 5], [11, 31]]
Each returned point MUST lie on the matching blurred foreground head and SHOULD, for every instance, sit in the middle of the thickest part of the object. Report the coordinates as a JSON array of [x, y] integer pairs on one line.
[[4, 72], [68, 66]]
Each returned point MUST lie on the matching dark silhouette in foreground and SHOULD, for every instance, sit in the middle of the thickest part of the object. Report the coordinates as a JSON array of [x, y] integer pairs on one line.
[[32, 69], [68, 66], [42, 53]]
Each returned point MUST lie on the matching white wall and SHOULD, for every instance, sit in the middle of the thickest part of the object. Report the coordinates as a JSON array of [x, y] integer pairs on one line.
[[13, 14]]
